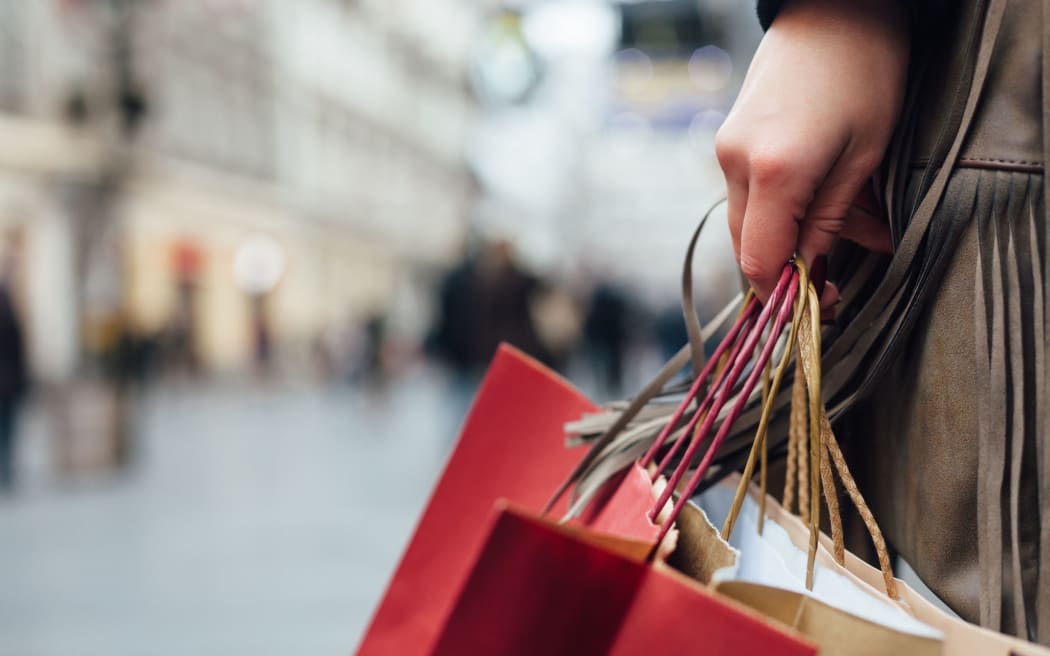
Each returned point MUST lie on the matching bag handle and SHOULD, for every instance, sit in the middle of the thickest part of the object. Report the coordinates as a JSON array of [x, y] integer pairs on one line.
[[781, 303], [815, 451], [691, 352], [814, 460], [735, 340], [809, 457]]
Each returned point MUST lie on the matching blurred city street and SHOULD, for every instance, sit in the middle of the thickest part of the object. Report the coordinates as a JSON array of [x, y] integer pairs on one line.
[[256, 520], [255, 255]]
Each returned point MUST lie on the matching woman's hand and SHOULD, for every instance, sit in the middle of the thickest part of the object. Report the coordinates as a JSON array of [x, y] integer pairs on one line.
[[810, 126]]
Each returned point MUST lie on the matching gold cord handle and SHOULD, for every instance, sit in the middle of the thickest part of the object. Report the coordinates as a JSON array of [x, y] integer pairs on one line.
[[814, 455]]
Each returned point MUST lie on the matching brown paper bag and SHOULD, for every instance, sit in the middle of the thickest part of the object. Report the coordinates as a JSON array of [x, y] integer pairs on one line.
[[961, 638], [702, 554], [836, 631]]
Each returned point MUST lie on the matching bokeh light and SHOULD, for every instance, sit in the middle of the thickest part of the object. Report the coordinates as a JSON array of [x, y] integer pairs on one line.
[[711, 68]]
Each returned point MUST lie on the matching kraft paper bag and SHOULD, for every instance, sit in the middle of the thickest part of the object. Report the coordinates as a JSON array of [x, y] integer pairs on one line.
[[844, 619], [961, 638]]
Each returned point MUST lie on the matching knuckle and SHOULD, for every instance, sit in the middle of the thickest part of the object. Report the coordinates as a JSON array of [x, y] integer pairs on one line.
[[828, 215], [770, 167], [729, 150]]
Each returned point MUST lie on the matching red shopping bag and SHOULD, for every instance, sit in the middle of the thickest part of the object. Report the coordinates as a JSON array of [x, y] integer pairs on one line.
[[543, 588], [512, 446]]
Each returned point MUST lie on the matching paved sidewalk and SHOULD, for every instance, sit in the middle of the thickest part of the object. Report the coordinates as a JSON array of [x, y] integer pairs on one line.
[[257, 521]]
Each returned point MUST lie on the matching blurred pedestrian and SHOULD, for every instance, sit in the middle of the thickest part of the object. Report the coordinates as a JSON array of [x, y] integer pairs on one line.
[[485, 300], [452, 335], [13, 382], [504, 294], [374, 350], [605, 334], [670, 331]]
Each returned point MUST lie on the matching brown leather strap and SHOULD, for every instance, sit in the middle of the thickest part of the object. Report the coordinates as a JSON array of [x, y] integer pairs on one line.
[[1041, 263], [1039, 332], [990, 456], [692, 323], [1015, 371], [949, 127], [665, 374]]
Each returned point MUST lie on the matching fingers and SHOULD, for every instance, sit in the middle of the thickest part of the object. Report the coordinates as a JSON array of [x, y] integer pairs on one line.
[[832, 215], [863, 222], [829, 298], [777, 198], [767, 242], [825, 216], [736, 201], [770, 184], [868, 230], [785, 200], [732, 158], [829, 292]]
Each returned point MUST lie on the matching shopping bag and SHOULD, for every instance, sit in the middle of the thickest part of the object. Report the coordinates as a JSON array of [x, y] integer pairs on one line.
[[538, 587], [516, 579], [544, 588], [874, 623], [961, 638], [841, 616], [834, 630], [512, 447]]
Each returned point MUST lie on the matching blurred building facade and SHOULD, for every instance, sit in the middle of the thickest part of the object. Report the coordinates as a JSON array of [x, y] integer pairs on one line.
[[153, 144]]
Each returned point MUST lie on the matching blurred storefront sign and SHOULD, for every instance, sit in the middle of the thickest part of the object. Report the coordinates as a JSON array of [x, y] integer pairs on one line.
[[187, 260]]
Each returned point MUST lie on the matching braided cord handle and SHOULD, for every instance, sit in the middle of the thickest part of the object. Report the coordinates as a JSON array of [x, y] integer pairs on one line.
[[814, 454], [780, 303]]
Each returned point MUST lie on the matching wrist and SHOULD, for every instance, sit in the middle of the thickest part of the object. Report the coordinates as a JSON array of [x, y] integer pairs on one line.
[[890, 19]]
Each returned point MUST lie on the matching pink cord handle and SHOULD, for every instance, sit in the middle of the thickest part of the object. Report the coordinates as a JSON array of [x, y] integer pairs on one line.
[[786, 309], [786, 286], [740, 327], [705, 405], [709, 398]]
